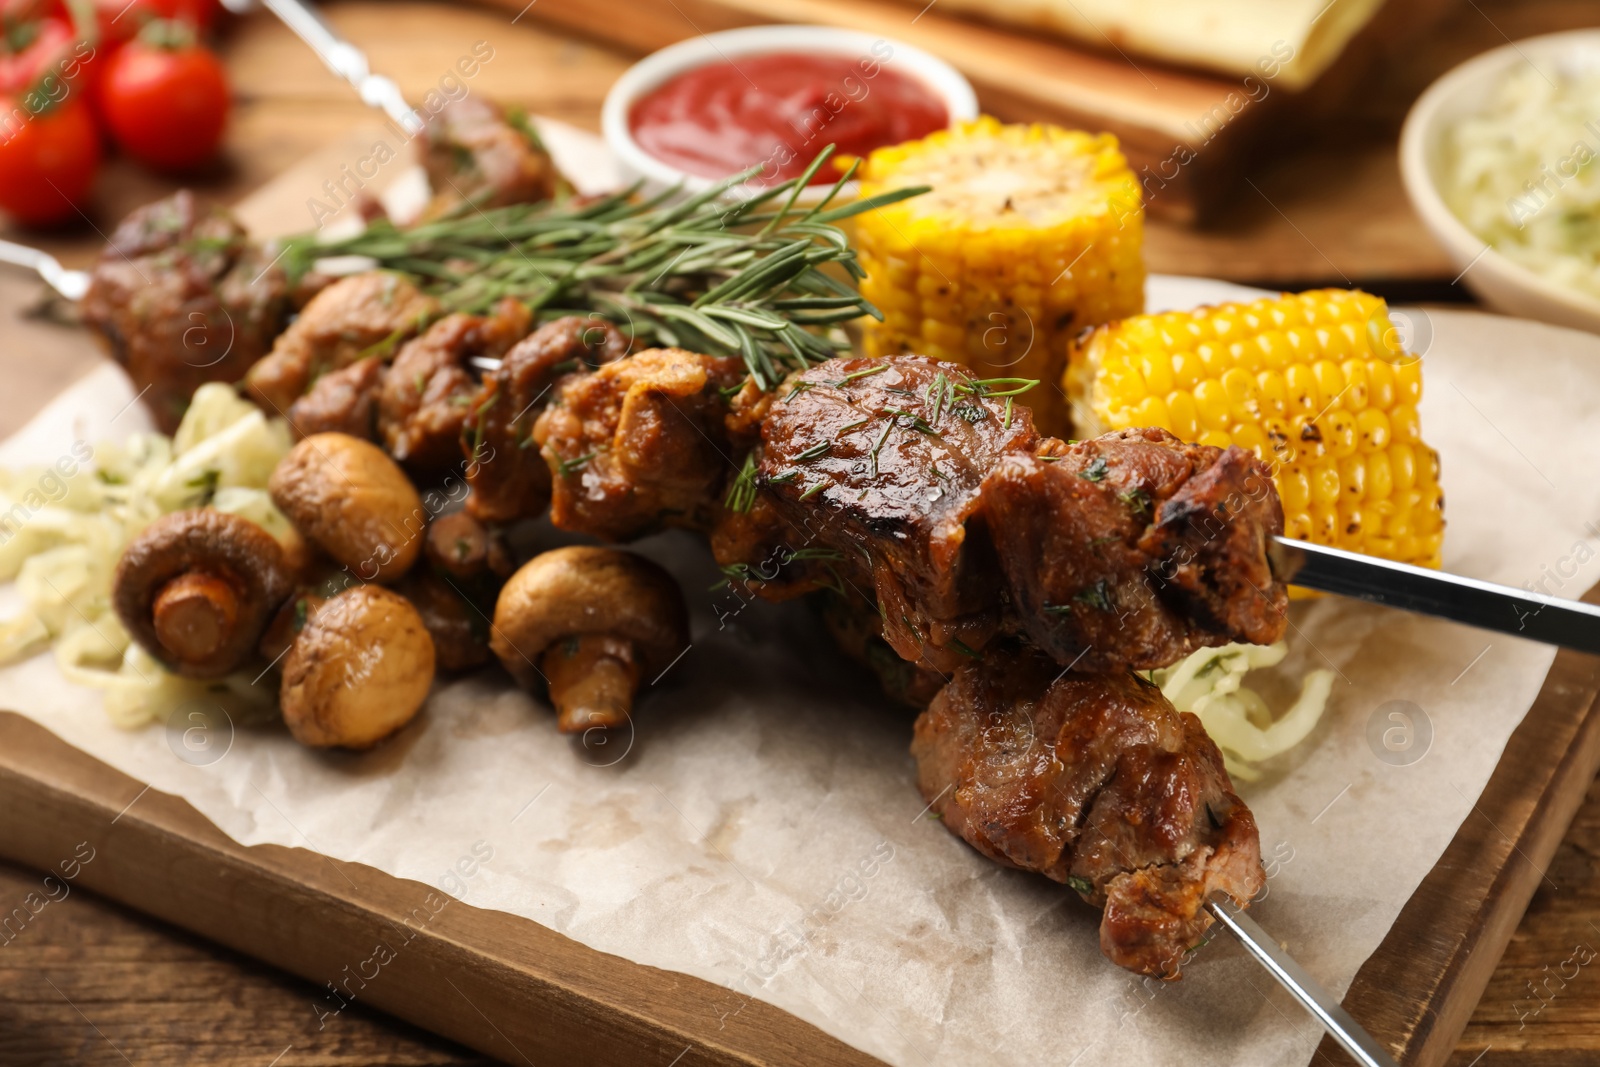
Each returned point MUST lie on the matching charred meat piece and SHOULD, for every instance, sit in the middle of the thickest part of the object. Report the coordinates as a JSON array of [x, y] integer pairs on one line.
[[882, 461], [474, 150], [1135, 549], [359, 316], [342, 401], [766, 555], [857, 628], [1093, 780], [425, 398], [181, 297], [641, 443], [507, 473]]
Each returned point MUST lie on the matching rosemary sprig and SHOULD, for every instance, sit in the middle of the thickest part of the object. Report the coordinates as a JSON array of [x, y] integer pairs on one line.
[[997, 387], [759, 278], [742, 493]]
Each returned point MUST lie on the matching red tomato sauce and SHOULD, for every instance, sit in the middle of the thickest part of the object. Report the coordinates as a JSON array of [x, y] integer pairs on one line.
[[779, 110]]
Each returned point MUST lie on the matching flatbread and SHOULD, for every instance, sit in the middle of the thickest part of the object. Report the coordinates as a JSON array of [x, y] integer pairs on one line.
[[1285, 42]]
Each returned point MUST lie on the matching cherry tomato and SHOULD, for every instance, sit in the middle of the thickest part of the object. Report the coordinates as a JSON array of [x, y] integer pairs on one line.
[[47, 160], [121, 20], [165, 100], [32, 49]]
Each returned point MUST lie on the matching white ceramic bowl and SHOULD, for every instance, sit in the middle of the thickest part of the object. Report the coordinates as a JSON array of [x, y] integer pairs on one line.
[[1498, 281], [940, 77]]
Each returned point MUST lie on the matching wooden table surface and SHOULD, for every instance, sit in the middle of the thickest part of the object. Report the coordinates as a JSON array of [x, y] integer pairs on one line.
[[93, 983]]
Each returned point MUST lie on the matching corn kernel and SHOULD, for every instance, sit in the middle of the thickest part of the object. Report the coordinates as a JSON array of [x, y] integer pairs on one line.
[[1211, 399], [1402, 460], [1380, 476], [1352, 478], [1372, 430], [1294, 489], [1354, 397], [1325, 485], [1272, 393], [1405, 425], [1302, 385], [1183, 415]]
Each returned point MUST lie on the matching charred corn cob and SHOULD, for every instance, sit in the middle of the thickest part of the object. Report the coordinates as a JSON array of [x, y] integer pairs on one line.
[[1030, 234], [1317, 385]]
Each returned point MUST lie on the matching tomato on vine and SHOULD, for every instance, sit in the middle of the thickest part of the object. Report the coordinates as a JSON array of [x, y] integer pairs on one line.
[[165, 98]]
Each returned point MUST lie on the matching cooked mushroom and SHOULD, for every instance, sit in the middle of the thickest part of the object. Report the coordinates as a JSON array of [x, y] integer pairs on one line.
[[359, 669], [197, 588], [592, 622], [353, 502]]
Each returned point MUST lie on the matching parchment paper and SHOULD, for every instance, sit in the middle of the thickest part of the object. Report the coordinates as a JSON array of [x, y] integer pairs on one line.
[[762, 830]]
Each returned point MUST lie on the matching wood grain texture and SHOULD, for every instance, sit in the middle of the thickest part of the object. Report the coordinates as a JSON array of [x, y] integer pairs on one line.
[[88, 982], [506, 986], [1419, 989]]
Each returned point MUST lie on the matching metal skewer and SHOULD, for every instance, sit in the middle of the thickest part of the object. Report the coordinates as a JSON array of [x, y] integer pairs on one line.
[[341, 57], [1521, 613], [1327, 1010], [71, 284]]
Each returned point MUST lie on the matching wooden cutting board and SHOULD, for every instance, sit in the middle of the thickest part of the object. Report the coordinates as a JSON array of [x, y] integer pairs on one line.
[[518, 991], [1161, 114]]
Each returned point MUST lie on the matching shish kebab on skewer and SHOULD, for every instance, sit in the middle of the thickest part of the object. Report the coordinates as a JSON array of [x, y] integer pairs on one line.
[[573, 459]]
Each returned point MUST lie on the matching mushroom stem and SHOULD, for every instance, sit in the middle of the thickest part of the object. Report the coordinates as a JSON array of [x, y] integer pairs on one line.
[[592, 681], [195, 615]]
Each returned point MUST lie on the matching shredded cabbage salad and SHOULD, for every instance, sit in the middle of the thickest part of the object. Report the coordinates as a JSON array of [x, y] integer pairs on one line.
[[1210, 683], [1522, 174], [63, 529]]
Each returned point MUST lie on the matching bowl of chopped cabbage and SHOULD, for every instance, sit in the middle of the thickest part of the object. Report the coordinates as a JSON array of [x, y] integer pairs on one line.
[[1501, 159]]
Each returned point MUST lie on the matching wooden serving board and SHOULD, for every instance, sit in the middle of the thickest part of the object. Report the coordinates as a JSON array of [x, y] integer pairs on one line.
[[518, 991], [1160, 113]]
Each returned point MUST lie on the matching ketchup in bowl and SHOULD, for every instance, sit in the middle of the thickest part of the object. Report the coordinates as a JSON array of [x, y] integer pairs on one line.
[[778, 109]]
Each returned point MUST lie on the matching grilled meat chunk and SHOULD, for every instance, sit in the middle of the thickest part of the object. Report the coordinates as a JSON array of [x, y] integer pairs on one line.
[[362, 315], [856, 627], [341, 401], [1135, 549], [882, 461], [1093, 780], [473, 149], [181, 297], [508, 475], [640, 444], [424, 403]]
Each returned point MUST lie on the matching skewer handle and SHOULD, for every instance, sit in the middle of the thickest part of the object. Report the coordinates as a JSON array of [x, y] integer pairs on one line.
[[71, 284], [346, 60], [1350, 1035]]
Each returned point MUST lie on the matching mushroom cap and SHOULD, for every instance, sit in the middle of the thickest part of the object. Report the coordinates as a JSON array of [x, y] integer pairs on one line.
[[359, 670], [223, 546], [579, 590], [353, 502]]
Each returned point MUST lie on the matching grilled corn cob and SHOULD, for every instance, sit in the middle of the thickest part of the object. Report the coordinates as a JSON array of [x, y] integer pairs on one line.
[[1317, 385], [1030, 234]]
